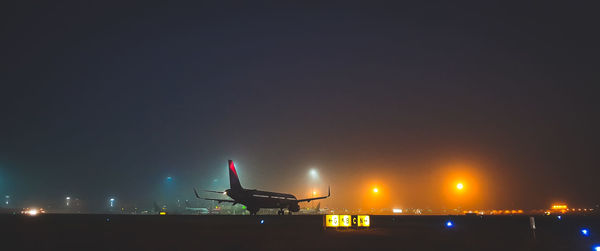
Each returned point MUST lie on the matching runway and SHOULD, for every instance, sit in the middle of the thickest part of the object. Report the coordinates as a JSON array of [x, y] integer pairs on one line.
[[301, 232]]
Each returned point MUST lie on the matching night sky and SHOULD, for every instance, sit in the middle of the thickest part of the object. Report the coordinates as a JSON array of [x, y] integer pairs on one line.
[[103, 99]]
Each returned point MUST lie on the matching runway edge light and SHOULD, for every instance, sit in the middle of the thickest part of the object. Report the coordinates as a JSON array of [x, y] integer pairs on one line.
[[585, 232]]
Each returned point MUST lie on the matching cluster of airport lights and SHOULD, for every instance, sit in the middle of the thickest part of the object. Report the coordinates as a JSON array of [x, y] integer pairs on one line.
[[314, 175], [585, 232]]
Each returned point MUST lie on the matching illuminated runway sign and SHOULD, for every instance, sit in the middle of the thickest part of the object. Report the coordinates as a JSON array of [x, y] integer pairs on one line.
[[364, 221], [332, 221], [347, 220]]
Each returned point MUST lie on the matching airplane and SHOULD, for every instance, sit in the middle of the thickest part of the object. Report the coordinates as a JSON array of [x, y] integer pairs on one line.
[[198, 210], [159, 209], [315, 210], [254, 199]]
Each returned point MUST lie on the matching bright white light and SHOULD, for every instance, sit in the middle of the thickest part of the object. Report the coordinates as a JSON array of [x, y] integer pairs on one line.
[[585, 232], [68, 198], [313, 173], [596, 248], [397, 210], [32, 212]]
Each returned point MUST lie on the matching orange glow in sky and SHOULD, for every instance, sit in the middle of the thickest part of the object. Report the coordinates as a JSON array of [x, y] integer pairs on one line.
[[463, 186], [444, 184]]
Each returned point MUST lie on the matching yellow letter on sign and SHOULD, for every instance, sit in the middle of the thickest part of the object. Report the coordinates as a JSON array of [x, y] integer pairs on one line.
[[364, 221], [332, 221]]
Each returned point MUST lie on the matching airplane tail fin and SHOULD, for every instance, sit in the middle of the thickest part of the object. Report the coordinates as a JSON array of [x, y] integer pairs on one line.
[[234, 181]]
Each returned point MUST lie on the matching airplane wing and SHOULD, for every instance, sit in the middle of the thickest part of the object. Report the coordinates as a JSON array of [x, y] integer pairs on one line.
[[317, 198], [220, 200], [211, 191], [217, 200]]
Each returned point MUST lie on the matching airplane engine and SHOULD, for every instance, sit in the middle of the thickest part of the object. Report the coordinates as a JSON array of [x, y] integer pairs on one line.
[[294, 208]]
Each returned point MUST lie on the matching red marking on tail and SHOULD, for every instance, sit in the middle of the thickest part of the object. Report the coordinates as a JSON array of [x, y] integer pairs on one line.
[[232, 167]]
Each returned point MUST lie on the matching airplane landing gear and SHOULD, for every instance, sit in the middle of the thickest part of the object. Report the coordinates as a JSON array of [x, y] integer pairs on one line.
[[280, 212], [253, 211]]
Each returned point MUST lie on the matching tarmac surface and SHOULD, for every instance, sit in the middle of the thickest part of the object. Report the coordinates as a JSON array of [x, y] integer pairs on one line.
[[297, 232]]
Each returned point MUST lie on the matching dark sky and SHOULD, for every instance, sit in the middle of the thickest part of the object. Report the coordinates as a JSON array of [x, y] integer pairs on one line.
[[105, 99]]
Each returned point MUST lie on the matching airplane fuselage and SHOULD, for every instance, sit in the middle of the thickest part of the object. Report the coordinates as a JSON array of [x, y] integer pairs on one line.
[[255, 199]]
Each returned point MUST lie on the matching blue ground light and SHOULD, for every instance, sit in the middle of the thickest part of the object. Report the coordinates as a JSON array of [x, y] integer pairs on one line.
[[585, 232], [559, 217], [449, 224], [596, 248], [262, 221]]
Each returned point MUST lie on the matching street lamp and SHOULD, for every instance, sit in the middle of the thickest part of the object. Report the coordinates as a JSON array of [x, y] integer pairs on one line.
[[68, 200], [112, 202], [459, 186], [313, 173]]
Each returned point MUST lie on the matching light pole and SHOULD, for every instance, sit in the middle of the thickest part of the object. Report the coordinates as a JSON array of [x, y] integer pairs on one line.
[[68, 201], [313, 173], [459, 190], [112, 202], [314, 177]]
